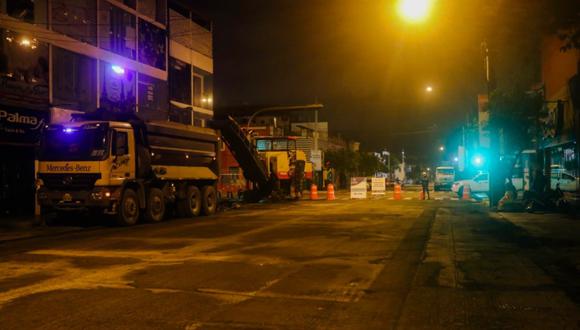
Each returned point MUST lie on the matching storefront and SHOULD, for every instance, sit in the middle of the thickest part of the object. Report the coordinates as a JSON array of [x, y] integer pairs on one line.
[[19, 136], [561, 161]]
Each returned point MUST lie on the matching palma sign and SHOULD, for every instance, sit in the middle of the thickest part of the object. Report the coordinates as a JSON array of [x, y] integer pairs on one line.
[[21, 126]]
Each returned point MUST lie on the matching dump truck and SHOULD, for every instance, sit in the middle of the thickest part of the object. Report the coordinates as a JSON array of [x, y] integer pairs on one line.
[[129, 168]]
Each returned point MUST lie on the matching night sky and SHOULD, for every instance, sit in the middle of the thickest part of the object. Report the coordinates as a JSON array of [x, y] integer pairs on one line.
[[365, 65]]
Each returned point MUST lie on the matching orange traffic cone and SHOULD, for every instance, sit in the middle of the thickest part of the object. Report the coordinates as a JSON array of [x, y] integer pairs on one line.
[[330, 192], [466, 193], [397, 192], [313, 192]]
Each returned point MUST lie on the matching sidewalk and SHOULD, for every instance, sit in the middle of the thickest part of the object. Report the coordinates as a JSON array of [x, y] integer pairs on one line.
[[546, 226], [19, 222], [13, 229]]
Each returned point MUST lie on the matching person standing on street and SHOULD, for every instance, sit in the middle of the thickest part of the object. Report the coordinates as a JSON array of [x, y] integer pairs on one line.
[[425, 185]]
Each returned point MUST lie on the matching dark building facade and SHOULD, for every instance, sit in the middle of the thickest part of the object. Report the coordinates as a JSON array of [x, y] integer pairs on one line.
[[560, 116]]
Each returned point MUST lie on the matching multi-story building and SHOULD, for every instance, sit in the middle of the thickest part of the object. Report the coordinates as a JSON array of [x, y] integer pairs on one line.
[[561, 121], [59, 57]]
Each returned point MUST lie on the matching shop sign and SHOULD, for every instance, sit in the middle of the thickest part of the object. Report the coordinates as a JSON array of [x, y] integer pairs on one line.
[[22, 126]]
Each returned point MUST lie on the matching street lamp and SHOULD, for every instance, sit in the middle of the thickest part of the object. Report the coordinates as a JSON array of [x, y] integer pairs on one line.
[[429, 89], [441, 148], [414, 11], [387, 153]]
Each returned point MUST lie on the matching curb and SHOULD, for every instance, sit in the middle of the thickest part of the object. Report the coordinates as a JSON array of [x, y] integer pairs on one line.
[[23, 223]]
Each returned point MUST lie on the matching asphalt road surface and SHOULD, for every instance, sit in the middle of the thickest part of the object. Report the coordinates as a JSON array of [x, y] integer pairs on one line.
[[372, 264]]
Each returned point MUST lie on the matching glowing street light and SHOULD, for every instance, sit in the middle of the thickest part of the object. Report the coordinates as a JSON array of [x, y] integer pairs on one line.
[[441, 148], [414, 11], [429, 89]]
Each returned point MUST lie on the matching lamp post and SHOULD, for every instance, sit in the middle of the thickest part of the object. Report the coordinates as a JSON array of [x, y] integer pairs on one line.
[[388, 154]]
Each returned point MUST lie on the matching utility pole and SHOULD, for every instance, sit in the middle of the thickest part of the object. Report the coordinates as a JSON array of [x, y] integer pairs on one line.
[[403, 174], [389, 165], [495, 174], [388, 154], [316, 129]]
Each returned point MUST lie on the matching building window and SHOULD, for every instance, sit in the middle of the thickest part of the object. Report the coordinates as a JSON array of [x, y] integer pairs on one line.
[[153, 101], [75, 18], [188, 32], [117, 30], [152, 47], [202, 88], [207, 99], [197, 90], [30, 11], [180, 115], [154, 9], [117, 88], [74, 80], [23, 69], [180, 81], [200, 119], [198, 122]]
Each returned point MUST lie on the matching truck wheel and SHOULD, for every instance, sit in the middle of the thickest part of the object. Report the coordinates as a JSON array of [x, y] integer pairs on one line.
[[191, 205], [155, 210], [209, 200], [128, 213]]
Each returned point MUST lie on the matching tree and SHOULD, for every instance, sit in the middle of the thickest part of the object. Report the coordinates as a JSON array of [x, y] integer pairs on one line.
[[562, 17], [351, 163], [369, 164], [514, 116], [344, 162]]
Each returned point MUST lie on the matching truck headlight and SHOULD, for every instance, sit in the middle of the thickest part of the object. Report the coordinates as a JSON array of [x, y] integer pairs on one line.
[[97, 195], [101, 194]]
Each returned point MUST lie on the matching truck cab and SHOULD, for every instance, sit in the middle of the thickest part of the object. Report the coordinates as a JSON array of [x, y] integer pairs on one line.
[[444, 177], [83, 165], [284, 161]]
